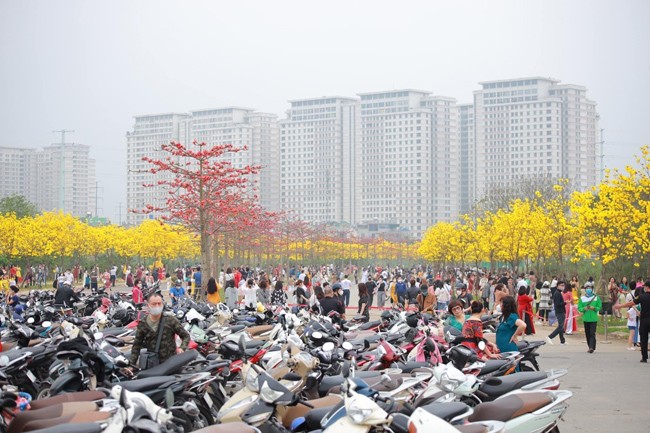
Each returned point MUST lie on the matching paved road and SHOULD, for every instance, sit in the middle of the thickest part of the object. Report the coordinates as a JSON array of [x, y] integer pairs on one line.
[[611, 387]]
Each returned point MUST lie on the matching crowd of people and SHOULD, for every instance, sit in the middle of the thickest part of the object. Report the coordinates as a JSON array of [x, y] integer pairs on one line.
[[521, 301]]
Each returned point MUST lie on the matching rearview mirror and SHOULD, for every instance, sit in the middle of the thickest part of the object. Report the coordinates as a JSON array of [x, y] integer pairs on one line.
[[482, 345], [46, 324], [317, 335], [347, 345]]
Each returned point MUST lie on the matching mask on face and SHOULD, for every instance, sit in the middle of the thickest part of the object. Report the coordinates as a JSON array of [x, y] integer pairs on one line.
[[155, 310], [589, 292]]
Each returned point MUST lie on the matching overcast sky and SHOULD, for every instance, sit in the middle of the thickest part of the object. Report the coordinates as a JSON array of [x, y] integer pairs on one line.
[[90, 66]]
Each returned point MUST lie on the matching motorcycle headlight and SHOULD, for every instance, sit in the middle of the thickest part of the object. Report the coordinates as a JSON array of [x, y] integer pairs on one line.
[[251, 381], [269, 395], [357, 413]]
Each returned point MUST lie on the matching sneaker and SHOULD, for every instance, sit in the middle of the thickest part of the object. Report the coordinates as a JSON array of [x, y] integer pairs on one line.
[[645, 361], [568, 333], [631, 348], [538, 323], [566, 343], [590, 351], [549, 341]]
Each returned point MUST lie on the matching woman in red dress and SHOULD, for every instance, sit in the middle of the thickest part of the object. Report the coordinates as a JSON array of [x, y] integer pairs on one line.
[[525, 309], [473, 333]]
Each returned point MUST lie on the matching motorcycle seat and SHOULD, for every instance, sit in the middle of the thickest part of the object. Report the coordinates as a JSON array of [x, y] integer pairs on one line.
[[114, 331], [299, 410], [254, 344], [231, 427], [510, 407], [81, 417], [141, 385], [522, 345], [498, 386], [170, 366], [15, 354], [408, 367], [493, 365], [88, 427], [369, 325], [55, 411], [64, 398], [314, 417], [260, 329], [446, 411], [236, 328]]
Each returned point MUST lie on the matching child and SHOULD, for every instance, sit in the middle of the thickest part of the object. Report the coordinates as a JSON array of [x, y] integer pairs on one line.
[[631, 325]]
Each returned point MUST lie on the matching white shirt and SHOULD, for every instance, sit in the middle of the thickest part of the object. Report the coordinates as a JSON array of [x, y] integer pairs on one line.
[[346, 284]]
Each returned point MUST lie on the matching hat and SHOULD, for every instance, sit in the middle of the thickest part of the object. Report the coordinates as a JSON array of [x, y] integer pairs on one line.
[[522, 283], [178, 282], [546, 284]]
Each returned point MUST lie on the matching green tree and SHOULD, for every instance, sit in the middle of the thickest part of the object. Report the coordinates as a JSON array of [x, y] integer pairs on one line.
[[18, 205]]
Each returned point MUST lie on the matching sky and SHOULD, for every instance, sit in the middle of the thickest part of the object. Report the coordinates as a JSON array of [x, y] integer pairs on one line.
[[90, 66]]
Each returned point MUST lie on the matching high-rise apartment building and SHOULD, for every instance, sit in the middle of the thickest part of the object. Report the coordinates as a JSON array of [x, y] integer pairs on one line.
[[318, 163], [467, 158], [534, 127], [409, 157], [60, 177], [242, 127], [149, 133], [18, 172]]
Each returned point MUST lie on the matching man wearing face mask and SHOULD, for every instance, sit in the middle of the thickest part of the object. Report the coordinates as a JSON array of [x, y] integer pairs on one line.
[[589, 305], [146, 334]]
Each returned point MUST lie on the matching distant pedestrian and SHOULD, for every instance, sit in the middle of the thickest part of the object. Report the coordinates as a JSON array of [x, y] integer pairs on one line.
[[589, 305], [559, 307]]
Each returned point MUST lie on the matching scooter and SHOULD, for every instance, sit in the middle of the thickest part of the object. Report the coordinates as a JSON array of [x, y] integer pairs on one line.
[[526, 412]]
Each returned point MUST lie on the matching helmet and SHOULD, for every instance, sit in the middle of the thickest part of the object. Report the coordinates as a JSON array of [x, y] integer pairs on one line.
[[412, 319], [461, 355], [386, 315]]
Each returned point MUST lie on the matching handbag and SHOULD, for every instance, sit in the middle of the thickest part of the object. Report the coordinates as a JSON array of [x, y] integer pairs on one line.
[[151, 359]]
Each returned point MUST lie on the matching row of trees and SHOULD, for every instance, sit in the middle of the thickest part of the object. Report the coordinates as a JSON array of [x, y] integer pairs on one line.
[[608, 222], [49, 237]]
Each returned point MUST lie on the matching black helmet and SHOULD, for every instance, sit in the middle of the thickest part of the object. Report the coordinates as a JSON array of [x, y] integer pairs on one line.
[[412, 319], [460, 355]]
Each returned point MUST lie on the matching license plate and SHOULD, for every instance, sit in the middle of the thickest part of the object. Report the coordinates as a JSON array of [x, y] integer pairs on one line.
[[207, 399], [30, 375], [223, 390]]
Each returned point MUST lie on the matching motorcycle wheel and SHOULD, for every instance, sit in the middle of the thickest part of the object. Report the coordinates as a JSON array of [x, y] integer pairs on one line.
[[202, 420]]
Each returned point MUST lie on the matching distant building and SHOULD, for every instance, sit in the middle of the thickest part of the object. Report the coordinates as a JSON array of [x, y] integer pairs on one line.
[[318, 163], [409, 158], [467, 158], [243, 127], [148, 134], [534, 126], [258, 132], [60, 177]]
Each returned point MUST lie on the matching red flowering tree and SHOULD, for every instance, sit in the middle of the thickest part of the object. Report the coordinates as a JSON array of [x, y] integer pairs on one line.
[[205, 191]]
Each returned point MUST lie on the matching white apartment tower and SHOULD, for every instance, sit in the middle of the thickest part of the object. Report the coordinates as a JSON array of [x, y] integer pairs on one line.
[[61, 177], [242, 127], [534, 127], [318, 162], [18, 173], [149, 133], [467, 158], [409, 158]]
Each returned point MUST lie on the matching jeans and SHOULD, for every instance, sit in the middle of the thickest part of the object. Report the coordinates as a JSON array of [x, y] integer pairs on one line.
[[590, 333], [442, 306], [381, 298], [644, 329], [346, 296], [560, 327]]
